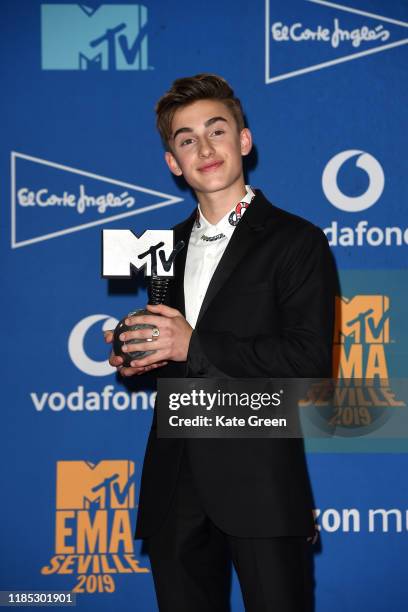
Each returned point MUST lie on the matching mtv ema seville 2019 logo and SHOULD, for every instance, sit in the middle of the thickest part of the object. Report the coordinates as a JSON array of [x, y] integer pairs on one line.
[[93, 524], [365, 397], [367, 392], [362, 331], [94, 36]]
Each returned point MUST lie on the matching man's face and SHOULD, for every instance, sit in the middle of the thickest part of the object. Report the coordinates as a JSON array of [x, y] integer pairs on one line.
[[206, 147]]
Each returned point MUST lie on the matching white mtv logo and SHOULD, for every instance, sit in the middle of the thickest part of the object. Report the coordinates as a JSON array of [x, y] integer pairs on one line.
[[124, 252]]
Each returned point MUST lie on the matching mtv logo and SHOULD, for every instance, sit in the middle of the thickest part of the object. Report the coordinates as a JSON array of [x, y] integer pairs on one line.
[[364, 319], [96, 37], [124, 252], [83, 485]]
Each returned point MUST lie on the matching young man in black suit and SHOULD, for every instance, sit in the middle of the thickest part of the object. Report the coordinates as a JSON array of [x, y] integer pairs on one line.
[[253, 296]]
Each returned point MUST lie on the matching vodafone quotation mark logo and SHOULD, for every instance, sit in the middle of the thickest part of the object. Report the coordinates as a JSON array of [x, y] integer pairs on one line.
[[76, 345], [365, 162], [85, 337], [360, 233]]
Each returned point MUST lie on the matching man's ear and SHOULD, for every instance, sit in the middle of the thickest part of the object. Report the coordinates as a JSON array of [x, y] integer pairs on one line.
[[245, 138], [172, 163]]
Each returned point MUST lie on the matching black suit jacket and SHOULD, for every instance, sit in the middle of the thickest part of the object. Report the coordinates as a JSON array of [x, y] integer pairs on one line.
[[268, 312]]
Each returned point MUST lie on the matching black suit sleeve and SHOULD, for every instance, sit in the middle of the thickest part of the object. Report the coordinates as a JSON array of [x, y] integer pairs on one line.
[[302, 346], [198, 363]]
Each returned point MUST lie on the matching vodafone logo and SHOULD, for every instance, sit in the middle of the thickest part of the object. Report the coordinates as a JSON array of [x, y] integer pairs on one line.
[[76, 345], [360, 233], [91, 401], [365, 162]]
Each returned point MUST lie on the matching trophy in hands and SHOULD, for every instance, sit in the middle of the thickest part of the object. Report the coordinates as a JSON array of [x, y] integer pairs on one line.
[[157, 293], [120, 255]]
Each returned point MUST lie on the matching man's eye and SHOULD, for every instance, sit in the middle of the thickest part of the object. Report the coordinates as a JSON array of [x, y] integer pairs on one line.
[[218, 132], [186, 142]]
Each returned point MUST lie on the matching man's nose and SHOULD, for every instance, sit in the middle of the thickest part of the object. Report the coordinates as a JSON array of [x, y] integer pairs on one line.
[[205, 148]]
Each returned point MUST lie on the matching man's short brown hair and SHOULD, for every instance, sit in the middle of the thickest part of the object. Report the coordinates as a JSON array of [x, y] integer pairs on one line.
[[187, 90]]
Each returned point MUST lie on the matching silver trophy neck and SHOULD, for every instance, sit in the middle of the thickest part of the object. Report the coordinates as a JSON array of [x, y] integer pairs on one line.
[[157, 289]]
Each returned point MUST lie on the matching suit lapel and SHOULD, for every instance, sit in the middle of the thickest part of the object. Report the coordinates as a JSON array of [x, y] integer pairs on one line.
[[247, 233], [182, 232]]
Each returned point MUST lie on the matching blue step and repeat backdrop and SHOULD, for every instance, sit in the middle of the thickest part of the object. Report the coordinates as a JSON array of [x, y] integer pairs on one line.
[[324, 87]]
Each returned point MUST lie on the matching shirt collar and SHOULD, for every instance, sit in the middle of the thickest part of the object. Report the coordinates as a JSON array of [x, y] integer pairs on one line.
[[227, 224]]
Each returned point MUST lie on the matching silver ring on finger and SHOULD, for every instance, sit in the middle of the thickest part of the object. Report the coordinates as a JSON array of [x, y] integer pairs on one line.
[[155, 332]]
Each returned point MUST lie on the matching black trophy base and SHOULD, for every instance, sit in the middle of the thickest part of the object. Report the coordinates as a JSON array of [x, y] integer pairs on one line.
[[122, 327]]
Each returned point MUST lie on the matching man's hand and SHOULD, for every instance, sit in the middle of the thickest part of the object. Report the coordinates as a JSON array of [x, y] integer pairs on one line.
[[117, 362], [171, 344]]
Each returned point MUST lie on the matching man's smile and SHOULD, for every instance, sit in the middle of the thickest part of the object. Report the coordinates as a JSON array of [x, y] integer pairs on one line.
[[210, 166]]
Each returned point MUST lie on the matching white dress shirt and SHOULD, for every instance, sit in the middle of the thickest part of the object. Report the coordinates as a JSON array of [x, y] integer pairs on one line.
[[205, 248]]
